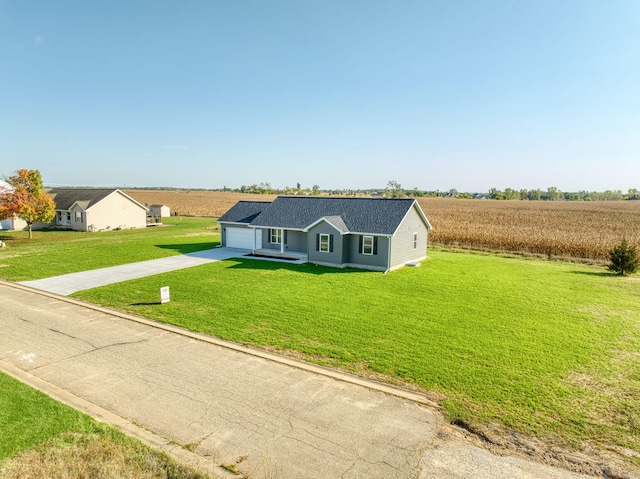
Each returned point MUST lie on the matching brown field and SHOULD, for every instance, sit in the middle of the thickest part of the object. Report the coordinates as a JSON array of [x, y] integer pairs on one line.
[[584, 230]]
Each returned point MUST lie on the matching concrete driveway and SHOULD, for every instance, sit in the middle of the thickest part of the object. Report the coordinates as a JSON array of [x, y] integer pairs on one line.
[[262, 414], [70, 283]]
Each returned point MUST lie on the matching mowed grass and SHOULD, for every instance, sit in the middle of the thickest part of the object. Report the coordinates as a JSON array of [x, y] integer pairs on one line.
[[28, 418], [44, 438], [54, 252], [549, 349]]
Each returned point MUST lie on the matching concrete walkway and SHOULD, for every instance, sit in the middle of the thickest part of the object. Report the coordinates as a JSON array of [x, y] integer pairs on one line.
[[262, 414], [70, 283]]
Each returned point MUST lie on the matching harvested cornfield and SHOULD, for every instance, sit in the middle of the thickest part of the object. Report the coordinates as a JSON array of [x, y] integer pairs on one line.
[[195, 202], [561, 229], [586, 230]]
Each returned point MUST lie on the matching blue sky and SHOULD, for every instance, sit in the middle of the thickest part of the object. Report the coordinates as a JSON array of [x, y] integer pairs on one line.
[[343, 94]]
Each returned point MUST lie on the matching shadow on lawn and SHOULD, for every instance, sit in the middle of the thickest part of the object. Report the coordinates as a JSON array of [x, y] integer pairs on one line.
[[601, 274], [308, 268], [189, 247]]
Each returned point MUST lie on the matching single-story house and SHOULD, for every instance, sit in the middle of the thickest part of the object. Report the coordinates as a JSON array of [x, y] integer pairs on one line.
[[159, 211], [96, 209], [370, 233]]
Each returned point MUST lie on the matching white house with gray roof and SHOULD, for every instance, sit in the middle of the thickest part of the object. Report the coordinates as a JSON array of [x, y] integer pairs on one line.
[[370, 233], [97, 209]]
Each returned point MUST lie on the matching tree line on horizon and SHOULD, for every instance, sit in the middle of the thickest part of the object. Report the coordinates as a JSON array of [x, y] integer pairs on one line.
[[395, 190]]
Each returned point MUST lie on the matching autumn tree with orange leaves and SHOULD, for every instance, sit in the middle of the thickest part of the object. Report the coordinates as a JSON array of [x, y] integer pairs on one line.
[[26, 199]]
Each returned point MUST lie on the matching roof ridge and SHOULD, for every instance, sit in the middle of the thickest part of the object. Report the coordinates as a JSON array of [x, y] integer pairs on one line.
[[341, 197]]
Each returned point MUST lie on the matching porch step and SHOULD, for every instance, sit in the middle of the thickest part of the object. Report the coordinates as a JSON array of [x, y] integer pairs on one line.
[[279, 255]]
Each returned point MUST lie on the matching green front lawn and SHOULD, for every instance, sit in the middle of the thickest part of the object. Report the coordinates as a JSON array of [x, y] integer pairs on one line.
[[544, 348], [54, 252]]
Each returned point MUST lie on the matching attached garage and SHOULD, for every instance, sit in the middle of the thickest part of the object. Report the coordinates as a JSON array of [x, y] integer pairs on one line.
[[240, 238], [236, 232]]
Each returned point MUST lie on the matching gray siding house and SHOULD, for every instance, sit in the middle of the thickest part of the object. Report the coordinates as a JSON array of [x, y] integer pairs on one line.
[[369, 233]]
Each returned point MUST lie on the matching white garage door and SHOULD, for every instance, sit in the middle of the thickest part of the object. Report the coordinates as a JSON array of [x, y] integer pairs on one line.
[[239, 238]]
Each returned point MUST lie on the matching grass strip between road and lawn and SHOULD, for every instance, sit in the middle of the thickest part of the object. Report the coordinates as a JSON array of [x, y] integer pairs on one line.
[[44, 438], [544, 348]]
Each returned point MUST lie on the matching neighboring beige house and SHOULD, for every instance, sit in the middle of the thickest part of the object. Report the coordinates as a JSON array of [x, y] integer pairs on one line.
[[159, 211], [93, 209]]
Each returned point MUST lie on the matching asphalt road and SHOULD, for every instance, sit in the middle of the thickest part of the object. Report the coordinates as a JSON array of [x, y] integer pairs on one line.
[[270, 417]]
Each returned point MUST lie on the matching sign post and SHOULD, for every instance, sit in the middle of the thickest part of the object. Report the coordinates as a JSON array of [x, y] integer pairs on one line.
[[164, 295]]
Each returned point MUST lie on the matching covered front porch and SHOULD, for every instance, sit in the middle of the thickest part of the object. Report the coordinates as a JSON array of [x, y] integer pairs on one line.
[[288, 255], [280, 243]]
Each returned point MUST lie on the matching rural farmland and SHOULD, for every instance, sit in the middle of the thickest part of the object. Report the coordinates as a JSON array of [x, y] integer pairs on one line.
[[576, 229], [545, 350]]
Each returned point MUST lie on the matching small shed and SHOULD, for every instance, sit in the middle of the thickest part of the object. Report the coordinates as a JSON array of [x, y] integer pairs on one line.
[[13, 223], [159, 211]]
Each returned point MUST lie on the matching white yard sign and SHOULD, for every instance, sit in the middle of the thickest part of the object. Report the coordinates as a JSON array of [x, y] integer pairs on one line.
[[164, 295]]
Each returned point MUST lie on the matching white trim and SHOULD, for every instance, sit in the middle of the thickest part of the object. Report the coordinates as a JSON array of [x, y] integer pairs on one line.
[[236, 223], [76, 204], [269, 227], [110, 194], [328, 236], [280, 235], [317, 222], [388, 256], [364, 237], [364, 233], [420, 213]]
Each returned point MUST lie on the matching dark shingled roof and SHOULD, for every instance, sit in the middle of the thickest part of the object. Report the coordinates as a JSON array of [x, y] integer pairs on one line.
[[359, 215], [244, 211], [87, 197]]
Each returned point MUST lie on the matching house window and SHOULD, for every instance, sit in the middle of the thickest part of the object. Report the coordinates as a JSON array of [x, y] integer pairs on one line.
[[275, 236], [324, 243], [367, 245], [415, 240], [59, 217], [78, 216], [68, 217]]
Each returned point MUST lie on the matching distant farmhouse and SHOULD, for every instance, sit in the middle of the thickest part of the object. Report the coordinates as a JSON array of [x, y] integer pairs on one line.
[[93, 209], [368, 233]]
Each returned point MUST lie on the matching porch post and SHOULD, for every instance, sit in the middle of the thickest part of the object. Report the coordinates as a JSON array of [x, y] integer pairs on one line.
[[282, 240], [253, 250]]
